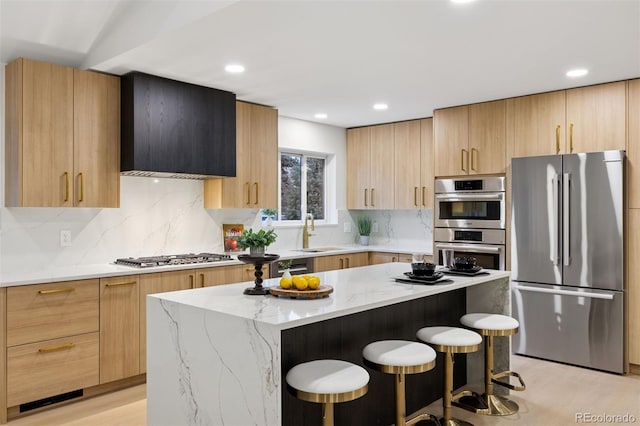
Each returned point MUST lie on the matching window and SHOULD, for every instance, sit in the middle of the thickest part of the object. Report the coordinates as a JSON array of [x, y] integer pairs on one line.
[[302, 186]]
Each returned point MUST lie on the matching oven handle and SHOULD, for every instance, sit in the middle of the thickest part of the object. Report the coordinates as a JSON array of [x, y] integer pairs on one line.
[[499, 196], [470, 247]]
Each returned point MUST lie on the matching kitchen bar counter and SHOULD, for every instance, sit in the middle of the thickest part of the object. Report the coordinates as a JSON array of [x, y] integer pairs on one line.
[[216, 356], [81, 272]]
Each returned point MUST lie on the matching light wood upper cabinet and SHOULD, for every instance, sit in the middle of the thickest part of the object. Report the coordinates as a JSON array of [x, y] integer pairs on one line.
[[62, 146], [470, 139], [256, 181], [370, 167], [426, 163], [451, 141], [487, 137], [161, 282], [539, 125], [596, 117], [96, 138], [381, 176], [358, 167], [119, 328], [408, 187], [633, 145]]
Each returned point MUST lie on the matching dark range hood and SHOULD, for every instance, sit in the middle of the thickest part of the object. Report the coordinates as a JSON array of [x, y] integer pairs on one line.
[[176, 129]]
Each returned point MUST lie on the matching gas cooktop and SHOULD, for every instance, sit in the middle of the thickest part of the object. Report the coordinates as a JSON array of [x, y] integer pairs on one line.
[[174, 259]]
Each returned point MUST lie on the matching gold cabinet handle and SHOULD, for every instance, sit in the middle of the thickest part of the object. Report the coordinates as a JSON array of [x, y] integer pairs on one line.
[[365, 197], [81, 176], [57, 348], [66, 186], [424, 188], [462, 155], [571, 137], [372, 205], [474, 158], [192, 283], [341, 263], [347, 260], [558, 139], [248, 193], [256, 185], [120, 284], [57, 290], [415, 196], [201, 280], [393, 259]]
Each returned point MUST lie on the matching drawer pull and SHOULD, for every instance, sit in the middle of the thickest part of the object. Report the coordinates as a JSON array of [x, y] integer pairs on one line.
[[119, 284], [57, 348], [57, 290]]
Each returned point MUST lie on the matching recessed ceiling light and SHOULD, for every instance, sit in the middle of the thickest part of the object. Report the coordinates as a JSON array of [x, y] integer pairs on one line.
[[380, 106], [234, 68], [578, 72], [320, 115]]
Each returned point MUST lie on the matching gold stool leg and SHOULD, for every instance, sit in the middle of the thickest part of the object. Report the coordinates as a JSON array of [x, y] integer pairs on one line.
[[447, 395], [488, 403], [327, 414], [401, 406]]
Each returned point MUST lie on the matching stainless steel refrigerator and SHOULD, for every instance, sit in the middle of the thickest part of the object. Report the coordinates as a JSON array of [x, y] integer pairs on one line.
[[567, 252]]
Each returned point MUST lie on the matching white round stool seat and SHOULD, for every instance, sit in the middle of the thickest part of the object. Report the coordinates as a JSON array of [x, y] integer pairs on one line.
[[399, 356], [491, 324], [328, 380], [450, 339]]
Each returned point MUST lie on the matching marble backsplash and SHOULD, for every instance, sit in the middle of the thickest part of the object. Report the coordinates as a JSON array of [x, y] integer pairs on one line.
[[166, 216]]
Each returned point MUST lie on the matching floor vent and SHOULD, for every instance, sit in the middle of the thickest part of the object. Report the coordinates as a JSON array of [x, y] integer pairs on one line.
[[50, 400]]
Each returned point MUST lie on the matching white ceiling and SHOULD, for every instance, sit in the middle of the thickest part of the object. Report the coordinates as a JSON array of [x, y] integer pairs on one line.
[[339, 57]]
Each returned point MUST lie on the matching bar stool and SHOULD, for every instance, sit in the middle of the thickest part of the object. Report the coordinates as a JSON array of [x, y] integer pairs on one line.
[[401, 357], [327, 381], [450, 340], [491, 325]]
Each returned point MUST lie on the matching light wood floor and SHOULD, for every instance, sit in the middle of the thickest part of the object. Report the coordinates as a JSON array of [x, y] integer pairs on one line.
[[555, 394]]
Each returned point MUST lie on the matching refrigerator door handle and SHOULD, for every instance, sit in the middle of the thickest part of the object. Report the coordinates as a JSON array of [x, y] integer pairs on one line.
[[564, 292], [566, 192], [554, 253]]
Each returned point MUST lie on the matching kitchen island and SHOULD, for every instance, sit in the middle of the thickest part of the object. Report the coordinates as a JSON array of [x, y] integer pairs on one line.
[[217, 356]]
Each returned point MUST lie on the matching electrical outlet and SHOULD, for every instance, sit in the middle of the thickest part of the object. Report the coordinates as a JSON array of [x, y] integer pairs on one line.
[[374, 227], [347, 227], [65, 238]]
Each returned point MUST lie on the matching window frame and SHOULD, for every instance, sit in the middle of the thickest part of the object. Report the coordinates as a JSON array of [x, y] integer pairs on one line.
[[303, 184]]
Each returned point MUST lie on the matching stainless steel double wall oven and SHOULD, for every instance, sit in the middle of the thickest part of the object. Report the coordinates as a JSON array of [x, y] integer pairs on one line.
[[470, 219]]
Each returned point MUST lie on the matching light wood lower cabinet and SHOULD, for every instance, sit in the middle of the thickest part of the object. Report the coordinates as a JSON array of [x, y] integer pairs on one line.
[[633, 285], [229, 274], [340, 261], [48, 311], [42, 369], [161, 282], [119, 328], [376, 257]]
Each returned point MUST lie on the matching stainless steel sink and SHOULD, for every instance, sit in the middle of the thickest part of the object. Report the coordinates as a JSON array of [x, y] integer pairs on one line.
[[319, 249]]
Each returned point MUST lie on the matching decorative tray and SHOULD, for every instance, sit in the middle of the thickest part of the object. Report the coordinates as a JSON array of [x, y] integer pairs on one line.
[[320, 292], [429, 278], [409, 278], [477, 270]]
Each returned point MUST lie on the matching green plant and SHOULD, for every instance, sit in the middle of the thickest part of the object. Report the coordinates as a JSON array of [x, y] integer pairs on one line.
[[261, 238], [270, 212], [285, 264], [364, 225]]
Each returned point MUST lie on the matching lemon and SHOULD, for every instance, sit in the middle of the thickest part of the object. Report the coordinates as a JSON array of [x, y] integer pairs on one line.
[[314, 282], [300, 283], [285, 282]]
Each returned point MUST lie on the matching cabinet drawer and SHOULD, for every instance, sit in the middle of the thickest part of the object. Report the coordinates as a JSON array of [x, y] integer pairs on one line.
[[48, 311], [52, 367]]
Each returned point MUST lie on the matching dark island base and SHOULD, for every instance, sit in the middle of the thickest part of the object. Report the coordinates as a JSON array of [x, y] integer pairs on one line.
[[345, 337]]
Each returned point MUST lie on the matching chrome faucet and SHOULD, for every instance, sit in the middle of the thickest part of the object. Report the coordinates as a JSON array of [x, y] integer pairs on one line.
[[305, 231]]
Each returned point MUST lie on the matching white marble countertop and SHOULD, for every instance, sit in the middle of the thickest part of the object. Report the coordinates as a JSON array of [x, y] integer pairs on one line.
[[81, 272], [355, 290]]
